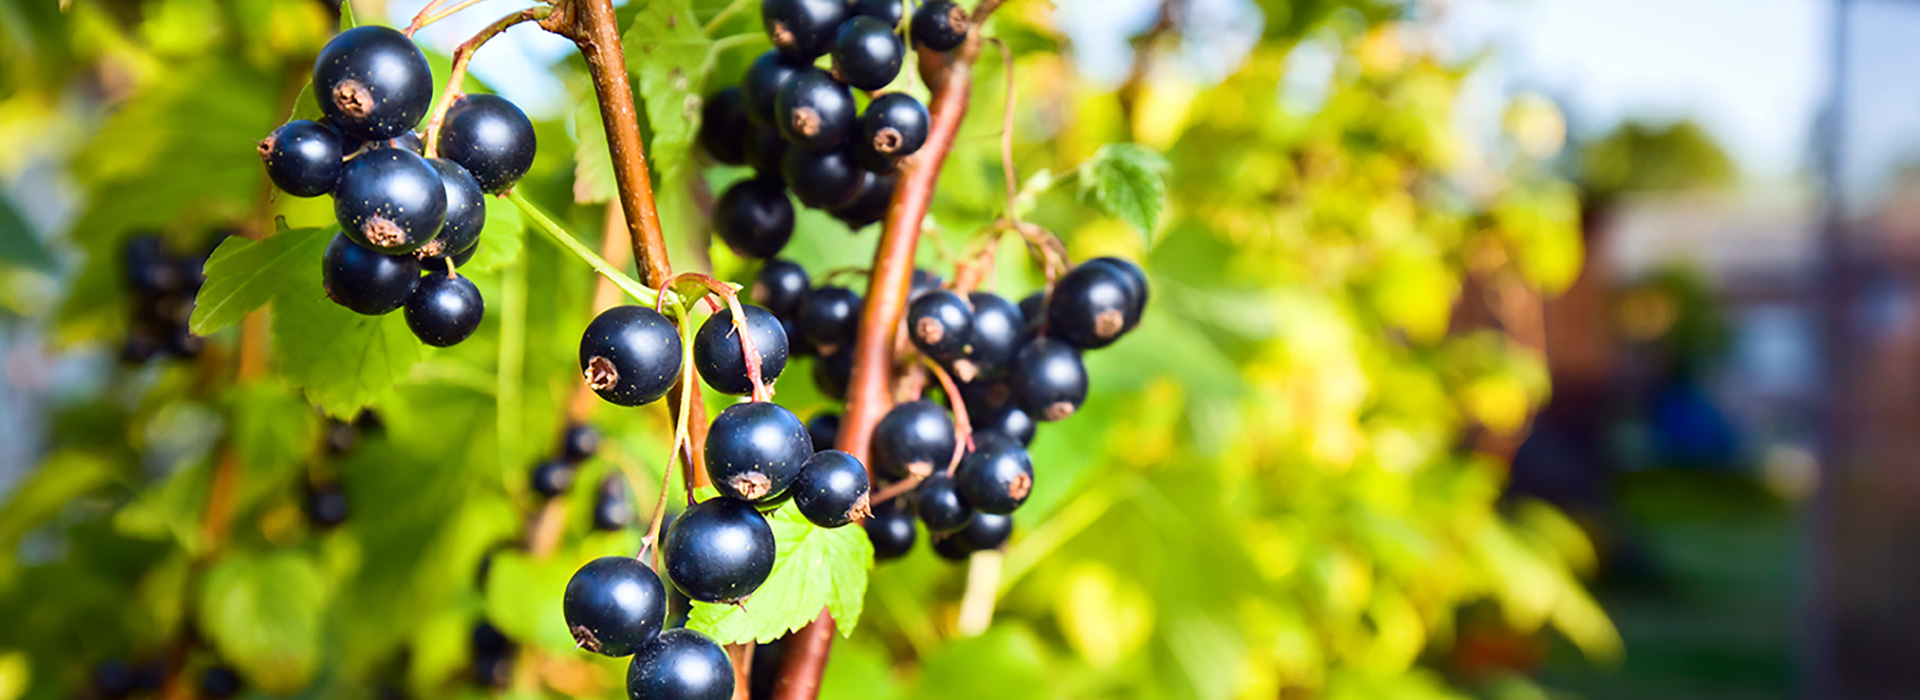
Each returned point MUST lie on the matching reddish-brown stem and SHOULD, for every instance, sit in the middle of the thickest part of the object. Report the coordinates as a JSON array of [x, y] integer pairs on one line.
[[458, 74], [807, 650], [731, 297], [963, 428], [429, 15], [895, 489], [1006, 136]]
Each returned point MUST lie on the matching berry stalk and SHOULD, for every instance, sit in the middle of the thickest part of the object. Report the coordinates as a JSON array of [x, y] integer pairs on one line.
[[458, 74]]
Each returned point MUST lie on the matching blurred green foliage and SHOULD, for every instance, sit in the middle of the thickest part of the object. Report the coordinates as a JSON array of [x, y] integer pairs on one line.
[[1642, 157]]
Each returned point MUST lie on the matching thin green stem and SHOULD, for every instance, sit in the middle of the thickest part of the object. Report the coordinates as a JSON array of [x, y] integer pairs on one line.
[[558, 235], [689, 392], [726, 13], [721, 46]]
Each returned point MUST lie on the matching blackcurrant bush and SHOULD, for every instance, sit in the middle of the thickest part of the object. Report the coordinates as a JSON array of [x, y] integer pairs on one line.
[[870, 206], [754, 217], [578, 443], [997, 329], [390, 201], [940, 505], [444, 309], [326, 505], [866, 53], [723, 126], [551, 479], [888, 11], [822, 179], [762, 82], [1006, 420], [832, 489], [365, 281], [491, 138], [219, 683], [894, 126], [824, 430], [996, 476], [985, 531], [612, 508], [614, 605], [940, 25], [780, 286], [680, 664], [719, 551], [890, 529], [832, 371], [1048, 380], [940, 323], [814, 111], [717, 352], [802, 29], [372, 83], [765, 150], [466, 215], [755, 449], [915, 438], [1090, 305], [630, 355], [303, 158], [830, 318]]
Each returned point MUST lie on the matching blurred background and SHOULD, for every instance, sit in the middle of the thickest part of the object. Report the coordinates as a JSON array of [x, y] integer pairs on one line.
[[1501, 348]]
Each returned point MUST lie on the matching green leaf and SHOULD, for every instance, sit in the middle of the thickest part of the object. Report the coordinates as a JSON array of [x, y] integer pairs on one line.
[[817, 567], [1006, 662], [271, 431], [501, 238], [666, 51], [18, 242], [342, 360], [264, 614], [1128, 181], [524, 596], [243, 274], [593, 180]]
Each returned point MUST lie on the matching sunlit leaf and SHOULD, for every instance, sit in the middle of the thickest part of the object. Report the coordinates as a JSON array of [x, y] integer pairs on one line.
[[817, 567], [1128, 181], [243, 275]]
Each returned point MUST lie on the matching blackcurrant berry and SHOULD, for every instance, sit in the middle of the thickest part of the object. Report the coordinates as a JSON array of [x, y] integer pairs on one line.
[[491, 138], [890, 529], [444, 309], [1033, 308], [340, 437], [797, 345], [985, 531], [822, 179], [147, 268], [184, 344], [551, 479], [832, 371], [494, 672], [894, 126], [870, 206], [940, 25], [487, 640], [921, 282], [996, 476], [326, 505], [578, 443], [915, 438], [1089, 307], [802, 29], [466, 216], [614, 605], [951, 548], [630, 355], [723, 126], [940, 504], [814, 111], [1048, 380], [365, 281], [754, 217], [780, 286], [612, 508], [303, 158], [867, 54], [765, 150], [113, 678], [1136, 279], [755, 449], [824, 430], [390, 201], [1006, 420], [888, 11], [719, 551], [997, 329], [940, 323], [830, 318], [219, 683], [983, 395], [372, 83], [717, 352], [762, 82], [408, 140], [680, 664], [832, 489]]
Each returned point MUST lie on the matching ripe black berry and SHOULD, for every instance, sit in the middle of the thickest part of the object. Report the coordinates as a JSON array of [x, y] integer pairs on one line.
[[824, 430], [832, 371], [802, 29], [326, 505], [372, 83], [755, 449], [466, 215], [941, 325], [1033, 308], [762, 82], [888, 11], [890, 529], [491, 138], [754, 217], [303, 158], [1048, 380], [893, 127], [996, 476], [915, 438], [551, 479], [951, 548], [940, 25], [921, 282], [830, 317], [940, 504], [612, 509], [822, 179], [765, 150], [680, 664], [814, 111], [997, 329], [444, 309], [579, 443], [1136, 280], [723, 126], [832, 489], [390, 200], [219, 683], [630, 355], [718, 356], [1089, 307], [487, 640], [870, 206], [719, 550], [365, 281], [985, 531], [780, 286], [867, 54], [1006, 420], [614, 605]]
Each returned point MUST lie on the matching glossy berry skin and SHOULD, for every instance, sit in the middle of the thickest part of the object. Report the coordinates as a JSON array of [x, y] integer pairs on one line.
[[754, 218], [780, 286], [219, 683], [680, 664], [1006, 420], [551, 479], [579, 443], [940, 323], [996, 476], [303, 158], [723, 126], [832, 371], [765, 150], [830, 317], [364, 281], [1136, 280], [390, 200], [915, 438], [614, 605], [985, 531], [922, 282], [951, 548], [940, 505], [940, 25], [491, 138], [612, 509], [802, 29], [326, 505], [444, 309], [1048, 380], [1090, 306], [832, 489], [890, 529], [814, 111], [630, 355], [761, 84], [888, 11], [1033, 308], [822, 179], [466, 214], [755, 449], [824, 430], [719, 551], [866, 53], [894, 126], [718, 355], [870, 206], [997, 329], [372, 83]]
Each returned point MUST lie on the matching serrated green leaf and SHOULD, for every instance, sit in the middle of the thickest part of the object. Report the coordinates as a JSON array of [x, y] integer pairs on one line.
[[243, 274], [593, 180], [501, 238], [816, 567], [524, 599], [343, 361], [1128, 181], [666, 50], [264, 614]]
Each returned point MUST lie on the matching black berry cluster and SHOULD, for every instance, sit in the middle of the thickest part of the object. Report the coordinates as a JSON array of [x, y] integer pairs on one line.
[[163, 286], [550, 478], [400, 213]]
